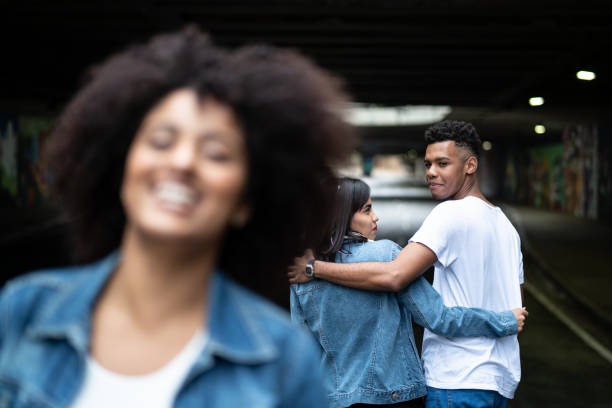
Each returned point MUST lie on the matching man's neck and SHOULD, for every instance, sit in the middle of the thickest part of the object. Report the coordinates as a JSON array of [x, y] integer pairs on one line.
[[470, 188]]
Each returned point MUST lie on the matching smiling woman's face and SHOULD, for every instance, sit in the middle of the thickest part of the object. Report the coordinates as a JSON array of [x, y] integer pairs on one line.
[[186, 170]]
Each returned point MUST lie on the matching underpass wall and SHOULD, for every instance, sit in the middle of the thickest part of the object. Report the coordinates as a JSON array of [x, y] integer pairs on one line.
[[572, 175], [32, 234]]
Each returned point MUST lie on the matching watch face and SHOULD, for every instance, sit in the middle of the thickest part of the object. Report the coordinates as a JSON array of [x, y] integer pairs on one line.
[[309, 271]]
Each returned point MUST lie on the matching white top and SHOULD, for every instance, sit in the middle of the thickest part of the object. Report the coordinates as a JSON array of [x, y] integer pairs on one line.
[[103, 388], [479, 265]]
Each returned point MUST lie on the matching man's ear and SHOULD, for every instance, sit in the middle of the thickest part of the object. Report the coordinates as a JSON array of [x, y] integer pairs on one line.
[[471, 165]]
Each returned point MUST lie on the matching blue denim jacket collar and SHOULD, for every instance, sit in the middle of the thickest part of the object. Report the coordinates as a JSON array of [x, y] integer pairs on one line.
[[234, 334], [69, 314]]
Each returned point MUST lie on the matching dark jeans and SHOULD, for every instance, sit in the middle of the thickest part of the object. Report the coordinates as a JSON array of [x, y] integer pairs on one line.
[[437, 398], [415, 403]]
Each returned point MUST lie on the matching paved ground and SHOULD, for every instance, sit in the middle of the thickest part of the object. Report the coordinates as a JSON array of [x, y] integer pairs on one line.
[[573, 251], [558, 369]]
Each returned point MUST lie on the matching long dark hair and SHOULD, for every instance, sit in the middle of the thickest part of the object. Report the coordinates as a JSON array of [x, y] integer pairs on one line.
[[351, 196]]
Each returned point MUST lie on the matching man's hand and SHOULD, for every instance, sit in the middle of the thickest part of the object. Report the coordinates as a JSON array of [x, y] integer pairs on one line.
[[297, 271], [520, 314]]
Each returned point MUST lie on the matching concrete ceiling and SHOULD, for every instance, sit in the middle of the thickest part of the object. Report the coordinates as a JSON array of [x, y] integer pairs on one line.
[[483, 58]]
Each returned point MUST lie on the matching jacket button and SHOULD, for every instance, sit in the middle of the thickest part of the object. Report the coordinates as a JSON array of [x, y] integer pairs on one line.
[[395, 397]]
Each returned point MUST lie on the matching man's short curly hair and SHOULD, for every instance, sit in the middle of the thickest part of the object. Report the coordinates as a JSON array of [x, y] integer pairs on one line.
[[290, 112], [464, 134]]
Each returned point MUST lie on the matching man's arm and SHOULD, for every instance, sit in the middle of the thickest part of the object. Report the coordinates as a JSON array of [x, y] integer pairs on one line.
[[411, 262], [428, 310]]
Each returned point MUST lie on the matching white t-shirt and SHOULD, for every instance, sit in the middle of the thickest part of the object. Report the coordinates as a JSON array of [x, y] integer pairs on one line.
[[104, 388], [479, 265]]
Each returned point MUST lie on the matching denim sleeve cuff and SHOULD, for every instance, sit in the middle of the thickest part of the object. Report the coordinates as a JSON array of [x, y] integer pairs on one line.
[[510, 324]]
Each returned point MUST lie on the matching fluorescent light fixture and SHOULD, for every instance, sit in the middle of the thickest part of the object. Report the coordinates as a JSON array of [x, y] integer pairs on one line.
[[536, 101], [373, 115], [540, 129], [585, 75], [486, 145]]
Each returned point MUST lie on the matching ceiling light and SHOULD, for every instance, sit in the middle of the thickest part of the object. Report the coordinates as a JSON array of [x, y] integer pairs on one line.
[[536, 101], [585, 75], [486, 145], [540, 129], [373, 115]]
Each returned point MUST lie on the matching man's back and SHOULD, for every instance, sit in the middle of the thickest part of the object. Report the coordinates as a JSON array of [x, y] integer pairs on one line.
[[479, 265]]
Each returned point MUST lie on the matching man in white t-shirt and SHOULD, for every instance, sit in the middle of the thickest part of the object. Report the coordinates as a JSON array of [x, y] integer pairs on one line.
[[478, 263]]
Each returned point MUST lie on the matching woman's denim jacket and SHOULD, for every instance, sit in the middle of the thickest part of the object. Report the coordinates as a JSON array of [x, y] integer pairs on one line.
[[369, 354], [254, 357]]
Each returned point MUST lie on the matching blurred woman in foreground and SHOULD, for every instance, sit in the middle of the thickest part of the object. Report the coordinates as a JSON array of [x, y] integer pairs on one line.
[[369, 353], [183, 167]]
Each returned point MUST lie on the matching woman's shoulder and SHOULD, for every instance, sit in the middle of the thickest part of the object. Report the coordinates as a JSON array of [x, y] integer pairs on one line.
[[383, 250], [267, 336], [383, 245], [28, 295], [249, 306], [246, 299], [267, 322], [42, 281]]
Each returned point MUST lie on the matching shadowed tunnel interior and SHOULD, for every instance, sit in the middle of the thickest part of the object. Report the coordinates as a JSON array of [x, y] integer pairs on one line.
[[547, 162]]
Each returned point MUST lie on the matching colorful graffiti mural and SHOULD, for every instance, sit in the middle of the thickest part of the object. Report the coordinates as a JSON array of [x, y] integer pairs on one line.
[[546, 177], [560, 176], [34, 175], [580, 170], [24, 176]]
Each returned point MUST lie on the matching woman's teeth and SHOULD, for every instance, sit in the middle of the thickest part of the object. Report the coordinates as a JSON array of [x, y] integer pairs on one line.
[[176, 193]]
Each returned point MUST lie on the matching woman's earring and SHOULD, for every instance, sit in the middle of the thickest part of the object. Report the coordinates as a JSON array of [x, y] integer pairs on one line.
[[240, 217]]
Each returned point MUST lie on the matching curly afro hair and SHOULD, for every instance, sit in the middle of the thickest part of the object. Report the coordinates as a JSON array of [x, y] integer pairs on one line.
[[291, 114], [462, 133]]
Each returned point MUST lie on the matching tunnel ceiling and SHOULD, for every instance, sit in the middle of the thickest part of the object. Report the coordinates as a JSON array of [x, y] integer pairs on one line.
[[483, 58]]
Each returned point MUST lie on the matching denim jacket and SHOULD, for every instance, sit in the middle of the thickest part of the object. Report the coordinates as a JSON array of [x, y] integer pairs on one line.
[[254, 356], [369, 353]]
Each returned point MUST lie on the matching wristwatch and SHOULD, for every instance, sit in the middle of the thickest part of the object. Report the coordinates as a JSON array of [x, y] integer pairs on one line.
[[310, 269]]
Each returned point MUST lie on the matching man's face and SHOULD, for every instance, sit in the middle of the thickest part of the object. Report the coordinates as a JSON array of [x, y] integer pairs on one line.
[[445, 165]]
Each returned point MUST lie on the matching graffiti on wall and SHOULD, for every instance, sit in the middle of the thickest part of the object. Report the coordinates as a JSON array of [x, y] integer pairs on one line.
[[580, 170], [562, 176], [24, 176], [516, 181], [8, 156], [34, 178], [545, 175]]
